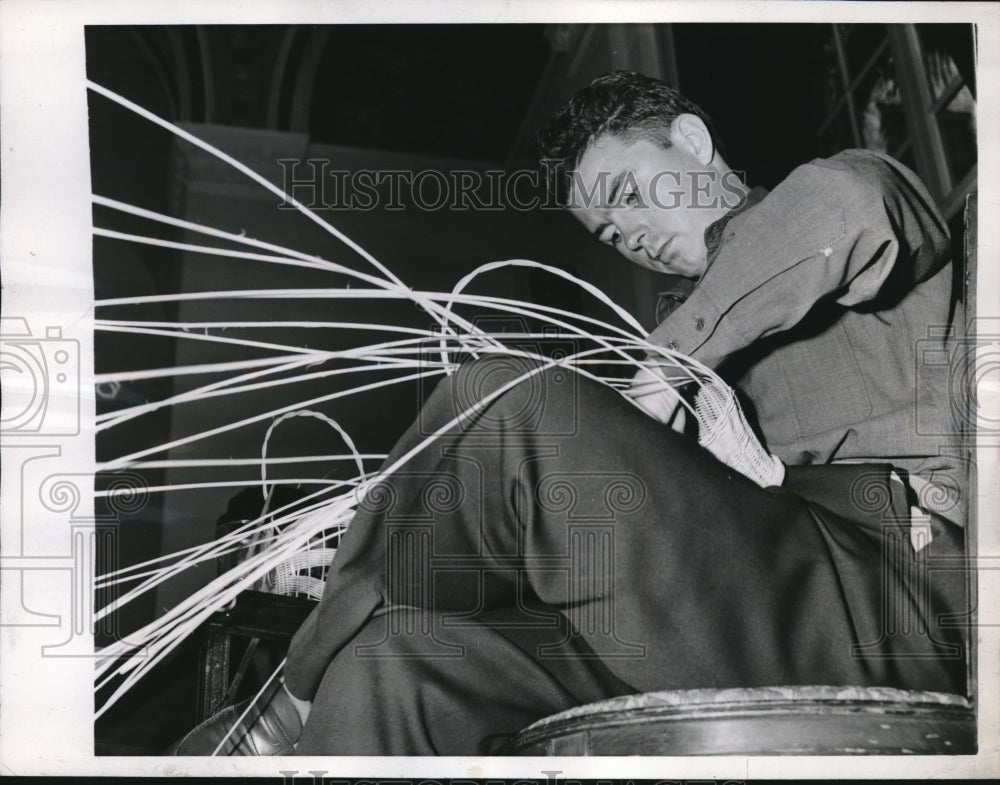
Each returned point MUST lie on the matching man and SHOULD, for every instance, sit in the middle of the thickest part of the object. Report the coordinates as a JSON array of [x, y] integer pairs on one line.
[[594, 552], [850, 251]]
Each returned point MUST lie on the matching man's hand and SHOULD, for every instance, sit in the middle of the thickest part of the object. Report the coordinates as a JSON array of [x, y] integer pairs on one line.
[[656, 396]]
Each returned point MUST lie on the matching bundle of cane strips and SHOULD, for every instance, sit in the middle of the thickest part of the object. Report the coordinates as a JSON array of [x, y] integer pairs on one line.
[[290, 542]]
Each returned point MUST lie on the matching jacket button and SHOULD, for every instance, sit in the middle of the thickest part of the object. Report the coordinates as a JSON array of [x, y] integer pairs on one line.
[[672, 346], [699, 323]]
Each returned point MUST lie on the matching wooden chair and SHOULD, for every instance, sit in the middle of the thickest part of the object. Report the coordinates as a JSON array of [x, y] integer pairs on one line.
[[264, 618]]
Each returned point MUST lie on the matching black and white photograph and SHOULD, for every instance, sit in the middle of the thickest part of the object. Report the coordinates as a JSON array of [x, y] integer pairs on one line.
[[499, 385]]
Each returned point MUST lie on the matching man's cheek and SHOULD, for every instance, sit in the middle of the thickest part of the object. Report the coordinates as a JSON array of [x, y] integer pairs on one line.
[[665, 192], [688, 256]]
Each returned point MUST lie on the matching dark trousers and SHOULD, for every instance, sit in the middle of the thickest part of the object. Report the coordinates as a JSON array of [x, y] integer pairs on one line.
[[558, 546]]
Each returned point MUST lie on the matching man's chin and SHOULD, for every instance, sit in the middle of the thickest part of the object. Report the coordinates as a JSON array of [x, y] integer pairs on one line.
[[667, 269], [658, 267], [692, 270], [676, 267]]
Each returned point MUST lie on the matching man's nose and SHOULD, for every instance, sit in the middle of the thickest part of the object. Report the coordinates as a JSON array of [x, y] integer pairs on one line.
[[634, 238]]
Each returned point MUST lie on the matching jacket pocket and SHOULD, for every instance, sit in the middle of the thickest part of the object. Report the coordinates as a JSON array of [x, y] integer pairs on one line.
[[809, 386]]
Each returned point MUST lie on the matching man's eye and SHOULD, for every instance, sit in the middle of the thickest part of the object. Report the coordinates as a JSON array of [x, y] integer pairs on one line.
[[615, 238]]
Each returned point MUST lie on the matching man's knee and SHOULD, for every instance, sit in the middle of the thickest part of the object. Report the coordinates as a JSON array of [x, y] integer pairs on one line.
[[491, 374], [511, 392], [399, 634]]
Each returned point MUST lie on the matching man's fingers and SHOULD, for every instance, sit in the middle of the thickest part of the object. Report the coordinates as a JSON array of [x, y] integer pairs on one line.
[[655, 395]]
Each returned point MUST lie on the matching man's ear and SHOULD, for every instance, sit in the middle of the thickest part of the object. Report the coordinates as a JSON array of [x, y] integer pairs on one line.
[[689, 132]]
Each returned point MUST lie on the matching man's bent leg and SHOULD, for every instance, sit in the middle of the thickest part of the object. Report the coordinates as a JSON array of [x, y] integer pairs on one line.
[[394, 691], [673, 569]]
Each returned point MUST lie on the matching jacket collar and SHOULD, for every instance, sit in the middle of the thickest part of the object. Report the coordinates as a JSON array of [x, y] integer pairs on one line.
[[713, 234], [680, 288]]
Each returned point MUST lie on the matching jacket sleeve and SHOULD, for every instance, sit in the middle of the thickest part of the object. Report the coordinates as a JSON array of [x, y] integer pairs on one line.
[[835, 229]]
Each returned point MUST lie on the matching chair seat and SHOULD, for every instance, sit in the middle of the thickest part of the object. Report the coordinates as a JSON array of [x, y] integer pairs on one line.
[[800, 720]]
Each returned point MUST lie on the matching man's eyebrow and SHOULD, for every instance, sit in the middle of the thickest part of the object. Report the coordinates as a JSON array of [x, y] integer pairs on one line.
[[616, 184], [596, 234]]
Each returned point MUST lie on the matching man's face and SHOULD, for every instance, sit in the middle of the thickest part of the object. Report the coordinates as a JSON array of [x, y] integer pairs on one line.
[[651, 203]]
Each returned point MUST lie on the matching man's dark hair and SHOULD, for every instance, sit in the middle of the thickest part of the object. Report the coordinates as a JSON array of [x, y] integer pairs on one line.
[[624, 103]]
